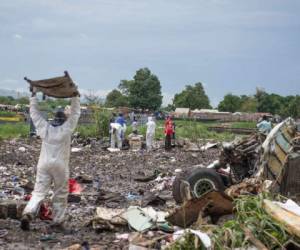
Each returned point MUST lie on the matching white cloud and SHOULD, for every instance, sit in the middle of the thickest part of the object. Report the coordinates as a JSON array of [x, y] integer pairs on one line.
[[100, 92], [18, 37], [9, 81]]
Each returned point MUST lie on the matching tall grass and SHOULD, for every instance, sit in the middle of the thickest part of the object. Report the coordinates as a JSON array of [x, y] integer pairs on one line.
[[13, 130]]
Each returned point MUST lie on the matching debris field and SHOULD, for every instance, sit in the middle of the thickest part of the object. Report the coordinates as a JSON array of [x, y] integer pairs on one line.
[[112, 180]]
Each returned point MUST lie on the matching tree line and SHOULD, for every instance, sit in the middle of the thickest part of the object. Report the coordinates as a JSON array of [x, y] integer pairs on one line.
[[262, 101], [144, 92]]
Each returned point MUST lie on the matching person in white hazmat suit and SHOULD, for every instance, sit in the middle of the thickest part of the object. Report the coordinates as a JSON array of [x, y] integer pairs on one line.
[[150, 133], [53, 164], [116, 130]]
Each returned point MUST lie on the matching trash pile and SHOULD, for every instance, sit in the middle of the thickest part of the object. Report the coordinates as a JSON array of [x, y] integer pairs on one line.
[[239, 195]]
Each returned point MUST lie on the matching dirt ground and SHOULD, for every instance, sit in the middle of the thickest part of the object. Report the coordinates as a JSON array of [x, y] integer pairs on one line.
[[116, 172]]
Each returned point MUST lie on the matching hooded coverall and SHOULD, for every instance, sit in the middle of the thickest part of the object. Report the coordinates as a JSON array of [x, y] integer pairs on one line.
[[122, 122], [150, 132], [115, 135], [53, 165]]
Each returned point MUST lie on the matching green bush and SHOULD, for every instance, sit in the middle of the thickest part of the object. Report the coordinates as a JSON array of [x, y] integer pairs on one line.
[[102, 121], [13, 130]]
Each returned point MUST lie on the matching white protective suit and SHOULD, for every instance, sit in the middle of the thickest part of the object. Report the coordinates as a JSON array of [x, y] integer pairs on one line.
[[53, 165], [116, 135], [150, 133]]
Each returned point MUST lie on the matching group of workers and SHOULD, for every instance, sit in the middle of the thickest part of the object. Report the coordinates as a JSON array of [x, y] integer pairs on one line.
[[118, 128]]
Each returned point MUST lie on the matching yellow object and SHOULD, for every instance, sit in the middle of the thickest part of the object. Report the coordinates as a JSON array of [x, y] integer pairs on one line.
[[290, 220], [16, 118]]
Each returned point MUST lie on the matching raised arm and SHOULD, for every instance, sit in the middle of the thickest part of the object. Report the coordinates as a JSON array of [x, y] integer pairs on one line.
[[38, 120], [74, 114]]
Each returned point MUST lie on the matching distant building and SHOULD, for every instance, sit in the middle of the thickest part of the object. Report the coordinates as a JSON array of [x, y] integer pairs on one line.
[[182, 113]]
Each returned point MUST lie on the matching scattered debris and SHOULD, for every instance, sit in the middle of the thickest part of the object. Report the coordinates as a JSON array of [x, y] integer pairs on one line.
[[285, 213], [141, 219], [113, 150], [248, 186], [3, 233], [75, 150], [148, 178], [108, 219], [214, 204], [203, 237]]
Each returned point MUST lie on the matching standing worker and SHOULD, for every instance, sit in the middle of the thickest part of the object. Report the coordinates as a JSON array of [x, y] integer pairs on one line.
[[150, 132], [115, 135], [168, 133], [120, 119], [264, 126], [134, 126], [53, 165]]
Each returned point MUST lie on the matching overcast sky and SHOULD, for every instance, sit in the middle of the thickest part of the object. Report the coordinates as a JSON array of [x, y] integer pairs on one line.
[[230, 46]]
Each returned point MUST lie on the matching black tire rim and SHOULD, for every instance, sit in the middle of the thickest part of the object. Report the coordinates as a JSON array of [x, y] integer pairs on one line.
[[203, 186]]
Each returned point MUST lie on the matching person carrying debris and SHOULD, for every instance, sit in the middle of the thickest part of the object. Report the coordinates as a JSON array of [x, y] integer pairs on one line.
[[264, 126], [150, 132], [53, 164], [115, 135], [168, 133]]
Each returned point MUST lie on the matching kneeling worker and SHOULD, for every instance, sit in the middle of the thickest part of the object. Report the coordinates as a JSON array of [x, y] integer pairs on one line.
[[53, 165]]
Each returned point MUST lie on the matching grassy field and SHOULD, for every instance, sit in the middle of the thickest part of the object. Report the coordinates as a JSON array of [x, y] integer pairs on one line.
[[184, 129], [13, 130]]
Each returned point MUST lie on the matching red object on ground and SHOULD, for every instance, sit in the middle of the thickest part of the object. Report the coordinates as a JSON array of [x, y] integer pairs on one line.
[[74, 187], [45, 212], [27, 197]]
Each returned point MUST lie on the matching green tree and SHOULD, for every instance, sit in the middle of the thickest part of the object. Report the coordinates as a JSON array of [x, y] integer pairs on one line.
[[144, 91], [294, 107], [23, 100], [7, 100], [193, 97], [248, 104], [230, 103], [116, 99]]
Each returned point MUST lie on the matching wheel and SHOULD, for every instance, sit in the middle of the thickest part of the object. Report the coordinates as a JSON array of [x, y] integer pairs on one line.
[[177, 193], [204, 180]]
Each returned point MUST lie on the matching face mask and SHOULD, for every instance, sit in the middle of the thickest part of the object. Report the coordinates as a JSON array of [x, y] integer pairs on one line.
[[59, 119]]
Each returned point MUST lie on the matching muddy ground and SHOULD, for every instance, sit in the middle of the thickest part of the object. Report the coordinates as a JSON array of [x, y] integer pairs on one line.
[[116, 172]]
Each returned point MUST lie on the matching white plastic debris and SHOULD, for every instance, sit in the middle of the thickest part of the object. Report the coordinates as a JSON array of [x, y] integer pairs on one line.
[[113, 150], [22, 149], [75, 150], [290, 206], [142, 219], [202, 236], [208, 146], [124, 236]]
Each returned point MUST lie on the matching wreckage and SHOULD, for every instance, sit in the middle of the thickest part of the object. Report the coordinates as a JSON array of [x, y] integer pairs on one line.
[[276, 159], [58, 87]]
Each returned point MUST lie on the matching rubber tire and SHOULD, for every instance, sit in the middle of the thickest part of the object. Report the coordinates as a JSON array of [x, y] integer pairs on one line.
[[205, 173], [176, 189]]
